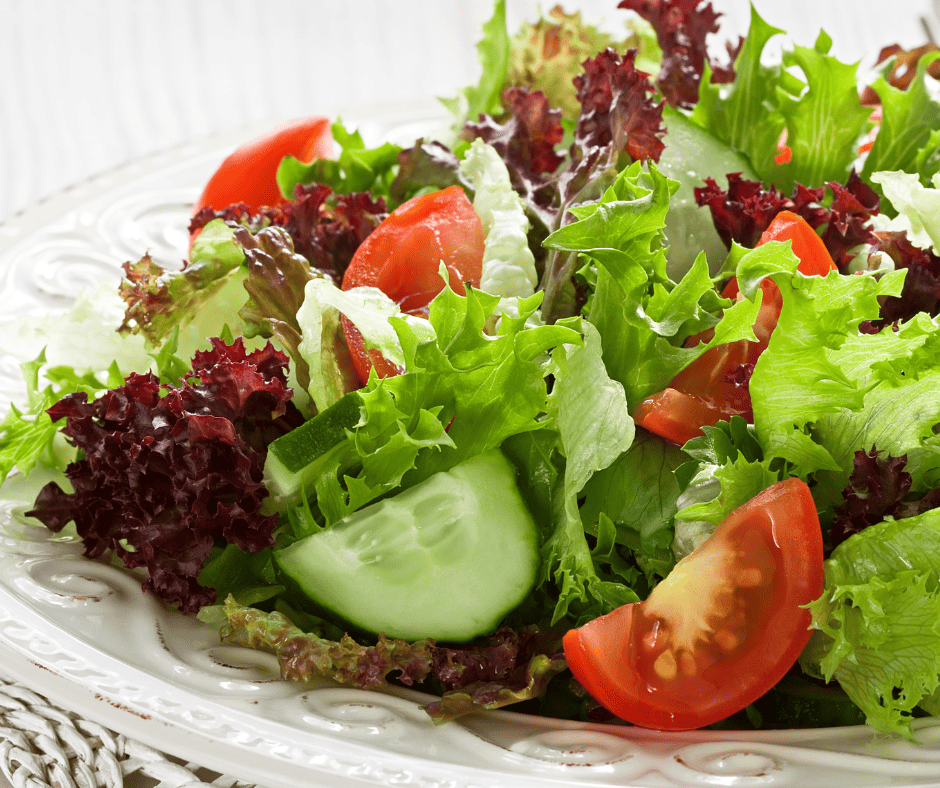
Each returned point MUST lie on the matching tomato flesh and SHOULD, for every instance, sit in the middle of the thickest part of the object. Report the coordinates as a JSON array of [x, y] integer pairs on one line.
[[249, 174], [402, 258], [718, 632], [712, 383]]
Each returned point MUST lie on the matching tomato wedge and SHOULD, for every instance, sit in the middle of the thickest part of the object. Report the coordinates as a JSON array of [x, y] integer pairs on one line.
[[708, 390], [720, 630], [402, 258], [248, 175]]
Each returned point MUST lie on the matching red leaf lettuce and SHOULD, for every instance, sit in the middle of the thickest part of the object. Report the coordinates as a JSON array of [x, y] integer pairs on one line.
[[166, 471]]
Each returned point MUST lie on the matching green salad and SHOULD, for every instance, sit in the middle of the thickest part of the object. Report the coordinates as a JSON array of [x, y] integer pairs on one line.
[[617, 401]]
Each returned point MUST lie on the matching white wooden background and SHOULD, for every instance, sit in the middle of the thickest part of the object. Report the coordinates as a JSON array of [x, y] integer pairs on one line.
[[88, 85]]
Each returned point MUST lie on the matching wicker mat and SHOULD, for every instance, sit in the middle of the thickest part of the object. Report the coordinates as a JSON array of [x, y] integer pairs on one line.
[[43, 746]]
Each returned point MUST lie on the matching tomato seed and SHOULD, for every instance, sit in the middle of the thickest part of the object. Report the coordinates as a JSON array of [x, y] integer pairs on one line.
[[665, 665], [750, 578]]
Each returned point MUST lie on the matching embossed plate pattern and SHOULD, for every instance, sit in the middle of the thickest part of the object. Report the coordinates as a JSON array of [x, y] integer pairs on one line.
[[84, 634]]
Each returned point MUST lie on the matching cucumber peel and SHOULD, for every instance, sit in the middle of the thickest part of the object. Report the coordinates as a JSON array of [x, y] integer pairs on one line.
[[296, 459]]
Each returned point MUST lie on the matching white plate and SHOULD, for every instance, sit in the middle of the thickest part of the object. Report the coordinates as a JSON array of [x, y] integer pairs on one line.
[[85, 635]]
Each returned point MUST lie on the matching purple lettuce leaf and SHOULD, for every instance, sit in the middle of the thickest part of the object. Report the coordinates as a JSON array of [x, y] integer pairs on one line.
[[166, 471]]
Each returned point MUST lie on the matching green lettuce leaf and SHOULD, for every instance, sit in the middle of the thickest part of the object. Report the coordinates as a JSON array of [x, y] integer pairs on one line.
[[27, 433], [642, 315], [323, 347], [638, 493], [820, 112], [741, 479], [727, 469], [928, 158], [746, 114], [356, 169], [909, 122], [801, 377], [917, 206], [463, 391], [63, 339], [590, 413], [879, 620], [899, 373], [824, 121]]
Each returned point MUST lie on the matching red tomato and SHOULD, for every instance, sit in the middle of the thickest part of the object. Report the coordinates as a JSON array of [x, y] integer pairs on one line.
[[249, 174], [711, 393], [402, 258], [718, 632], [676, 416]]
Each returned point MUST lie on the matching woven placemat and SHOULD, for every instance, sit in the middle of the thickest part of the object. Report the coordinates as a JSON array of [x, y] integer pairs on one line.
[[43, 746]]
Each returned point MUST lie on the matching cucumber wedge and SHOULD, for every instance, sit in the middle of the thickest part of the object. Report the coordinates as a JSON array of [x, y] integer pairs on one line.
[[446, 559], [296, 459]]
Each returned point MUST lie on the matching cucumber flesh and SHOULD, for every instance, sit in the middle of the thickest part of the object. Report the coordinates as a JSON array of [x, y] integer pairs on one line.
[[446, 559], [296, 459]]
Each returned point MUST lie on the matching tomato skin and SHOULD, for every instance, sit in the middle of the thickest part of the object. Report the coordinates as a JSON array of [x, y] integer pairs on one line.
[[402, 258], [674, 415], [248, 174], [362, 360], [721, 630], [807, 245], [710, 379]]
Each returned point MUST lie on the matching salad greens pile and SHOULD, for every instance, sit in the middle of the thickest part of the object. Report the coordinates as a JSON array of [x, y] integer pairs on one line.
[[620, 183]]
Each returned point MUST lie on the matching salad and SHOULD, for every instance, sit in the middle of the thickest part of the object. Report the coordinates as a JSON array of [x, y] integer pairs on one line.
[[615, 401]]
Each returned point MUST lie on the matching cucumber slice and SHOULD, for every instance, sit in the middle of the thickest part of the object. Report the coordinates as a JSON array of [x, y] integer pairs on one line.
[[446, 559], [296, 459]]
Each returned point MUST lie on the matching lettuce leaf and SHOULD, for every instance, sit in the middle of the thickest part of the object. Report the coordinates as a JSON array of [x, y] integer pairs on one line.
[[741, 479], [917, 206], [821, 113], [822, 390], [590, 413], [508, 262], [27, 432], [159, 300], [63, 338], [305, 656], [909, 121], [356, 169], [879, 635], [807, 371], [639, 494], [899, 374], [642, 315], [508, 668], [547, 55], [746, 113], [824, 121], [323, 347], [165, 471], [463, 391]]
